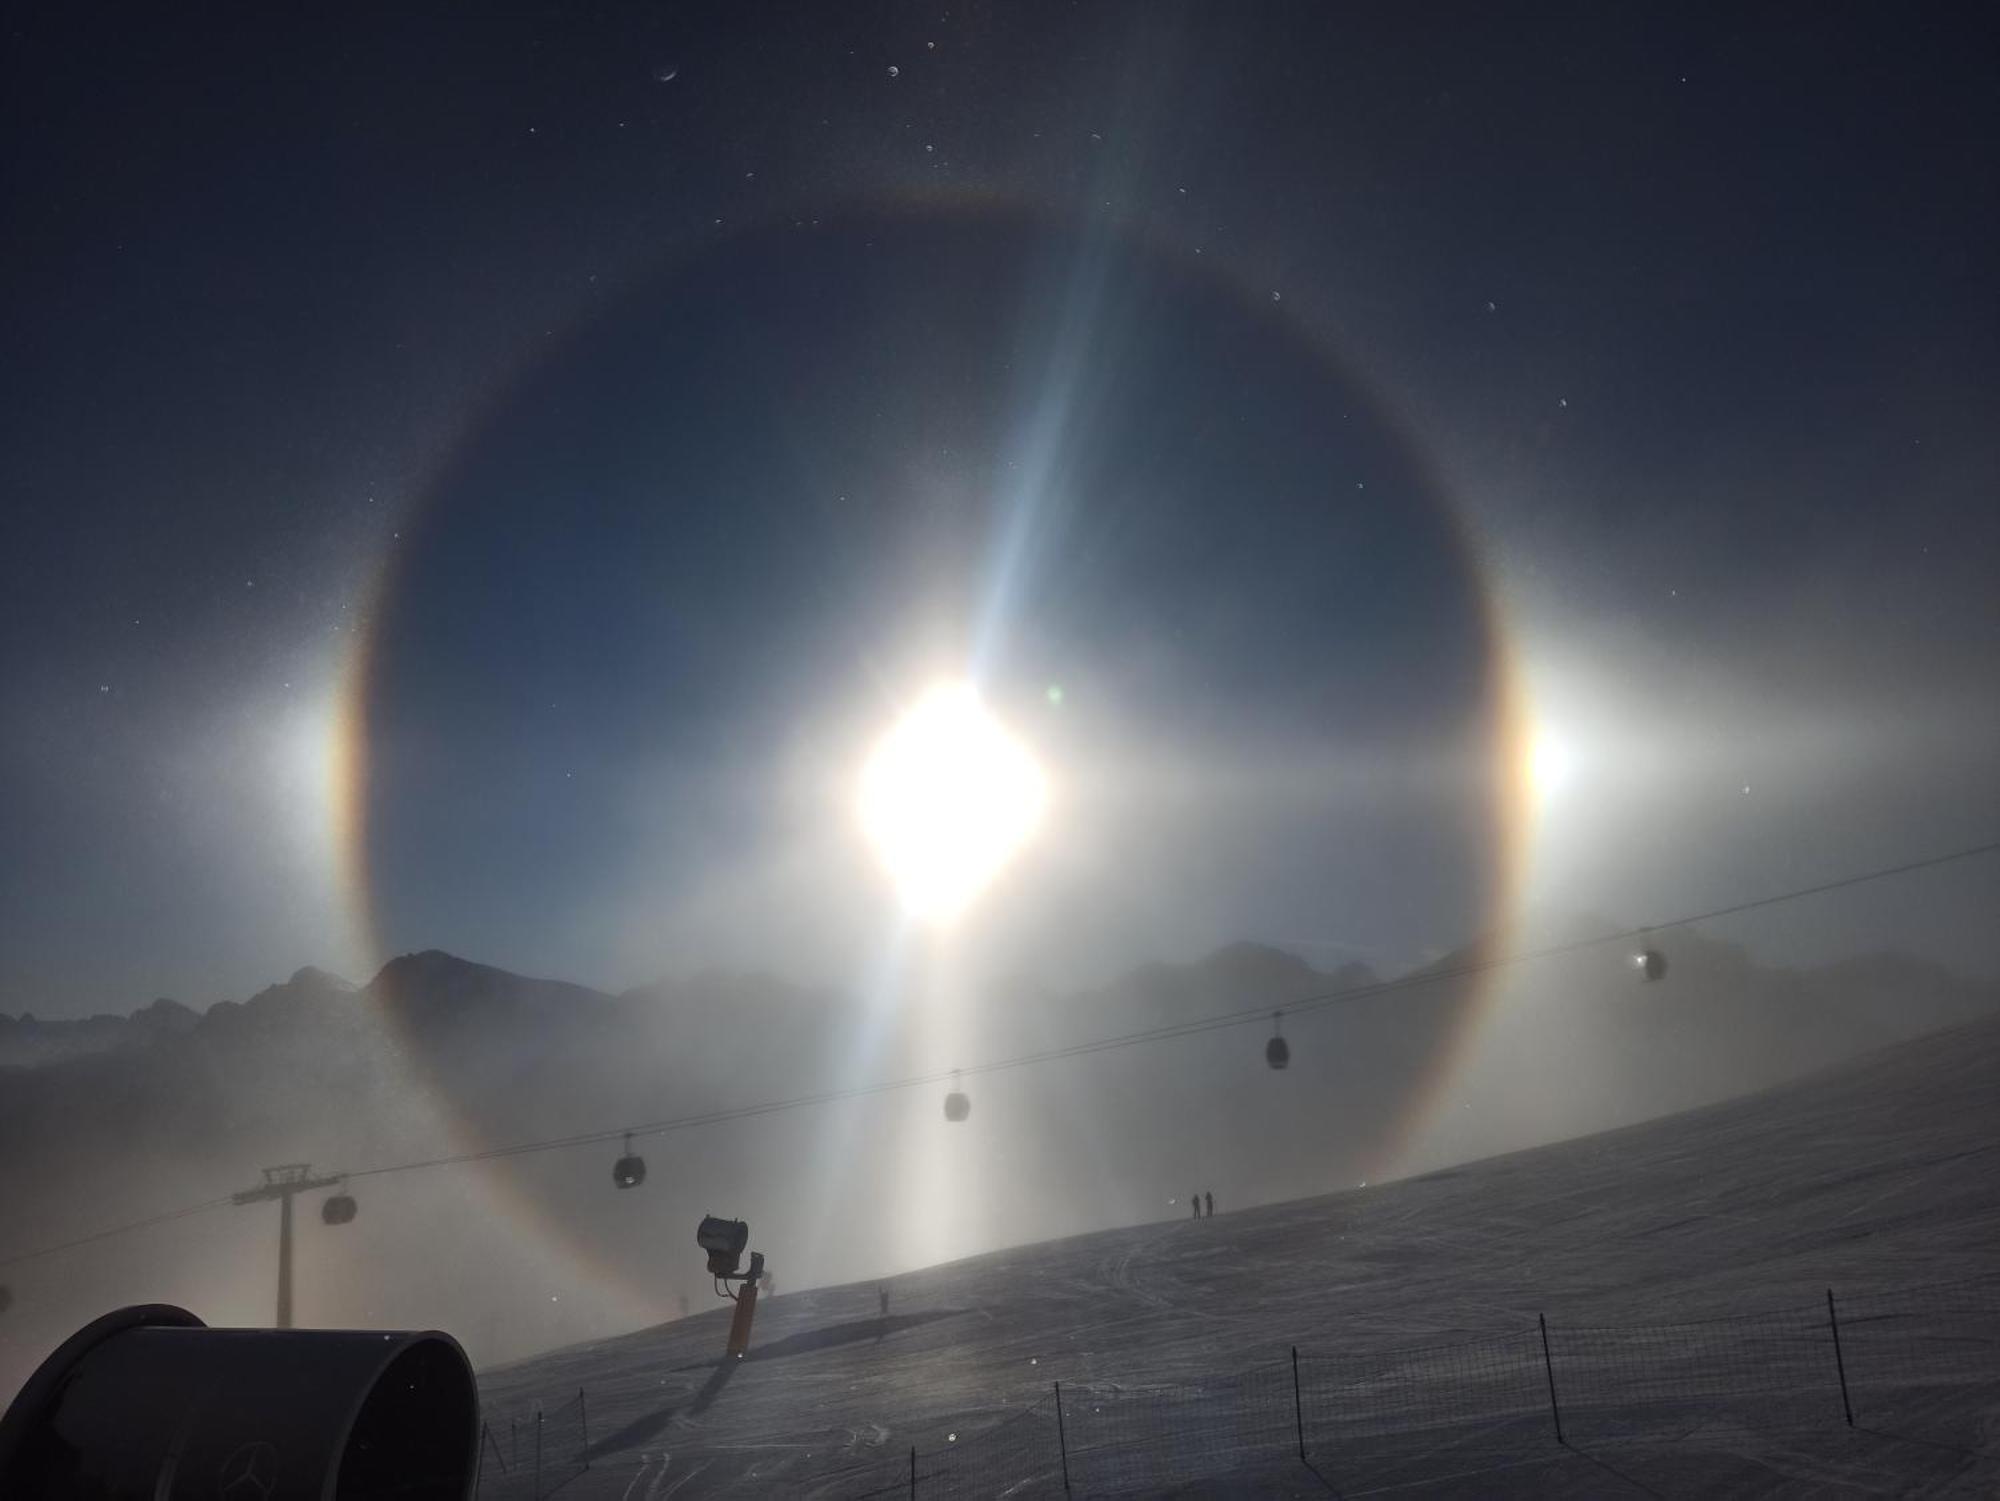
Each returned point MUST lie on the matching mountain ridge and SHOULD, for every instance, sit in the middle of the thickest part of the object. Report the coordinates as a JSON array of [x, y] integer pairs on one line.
[[425, 986]]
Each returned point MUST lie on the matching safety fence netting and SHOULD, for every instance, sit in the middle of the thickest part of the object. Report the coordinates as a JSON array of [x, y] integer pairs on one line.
[[526, 1458], [1924, 1361], [1768, 1370], [1155, 1436], [1370, 1419], [1025, 1448], [1918, 1363]]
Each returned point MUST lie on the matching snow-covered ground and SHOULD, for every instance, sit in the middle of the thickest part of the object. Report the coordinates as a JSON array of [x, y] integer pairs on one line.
[[1682, 1266]]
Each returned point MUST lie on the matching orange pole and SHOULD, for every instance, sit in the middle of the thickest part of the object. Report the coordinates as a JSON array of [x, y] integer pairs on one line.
[[739, 1327]]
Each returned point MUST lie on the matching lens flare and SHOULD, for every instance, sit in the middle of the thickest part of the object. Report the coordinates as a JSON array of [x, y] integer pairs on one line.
[[948, 797]]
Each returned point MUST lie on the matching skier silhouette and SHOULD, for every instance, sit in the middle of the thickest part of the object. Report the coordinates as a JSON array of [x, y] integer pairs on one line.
[[882, 1294], [1195, 1199], [1208, 1207]]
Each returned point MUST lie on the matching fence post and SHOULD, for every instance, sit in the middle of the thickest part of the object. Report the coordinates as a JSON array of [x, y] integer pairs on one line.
[[1839, 1361], [913, 1469], [1298, 1405], [1549, 1367], [489, 1444], [1062, 1438], [538, 1453], [583, 1422], [479, 1461], [514, 1442]]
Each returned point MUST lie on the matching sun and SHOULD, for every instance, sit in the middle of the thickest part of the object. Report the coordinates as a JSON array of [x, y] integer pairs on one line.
[[948, 797], [1551, 763]]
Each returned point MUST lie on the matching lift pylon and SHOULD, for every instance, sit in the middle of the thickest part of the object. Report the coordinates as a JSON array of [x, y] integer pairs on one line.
[[284, 1183]]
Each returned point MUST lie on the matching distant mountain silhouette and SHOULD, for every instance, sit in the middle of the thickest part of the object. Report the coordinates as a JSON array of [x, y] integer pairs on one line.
[[27, 1042], [438, 989]]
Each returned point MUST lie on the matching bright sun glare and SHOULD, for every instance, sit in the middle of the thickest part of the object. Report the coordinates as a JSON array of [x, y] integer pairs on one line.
[[948, 796], [1551, 763]]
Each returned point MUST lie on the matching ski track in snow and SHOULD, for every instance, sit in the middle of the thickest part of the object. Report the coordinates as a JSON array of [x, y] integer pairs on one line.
[[1870, 1178]]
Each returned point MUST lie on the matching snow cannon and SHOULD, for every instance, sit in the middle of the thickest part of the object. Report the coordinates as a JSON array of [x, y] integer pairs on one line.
[[724, 1241], [149, 1402]]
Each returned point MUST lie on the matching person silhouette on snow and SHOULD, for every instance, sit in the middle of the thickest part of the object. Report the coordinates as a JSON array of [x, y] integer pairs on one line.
[[1195, 1199], [1208, 1206]]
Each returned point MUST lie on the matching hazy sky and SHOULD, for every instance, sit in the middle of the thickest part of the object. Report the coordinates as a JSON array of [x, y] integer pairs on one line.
[[601, 424]]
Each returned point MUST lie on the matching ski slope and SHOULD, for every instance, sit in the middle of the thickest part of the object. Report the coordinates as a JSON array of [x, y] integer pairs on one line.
[[1415, 1305]]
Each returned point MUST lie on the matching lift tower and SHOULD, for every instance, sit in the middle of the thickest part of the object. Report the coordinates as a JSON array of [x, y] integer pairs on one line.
[[284, 1183]]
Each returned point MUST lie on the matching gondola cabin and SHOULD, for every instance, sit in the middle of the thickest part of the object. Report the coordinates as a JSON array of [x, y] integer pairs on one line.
[[1278, 1052], [629, 1171], [957, 1104]]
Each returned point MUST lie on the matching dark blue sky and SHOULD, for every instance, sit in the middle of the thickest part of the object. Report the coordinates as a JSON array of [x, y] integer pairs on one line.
[[1688, 318]]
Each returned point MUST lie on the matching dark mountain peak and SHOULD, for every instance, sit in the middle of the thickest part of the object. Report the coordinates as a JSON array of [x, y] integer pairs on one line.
[[426, 959], [309, 987], [313, 977], [435, 981], [434, 969], [165, 1015], [31, 1043]]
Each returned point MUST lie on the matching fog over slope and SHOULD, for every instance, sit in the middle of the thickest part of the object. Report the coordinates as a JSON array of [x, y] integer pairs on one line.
[[117, 1119], [1875, 1177]]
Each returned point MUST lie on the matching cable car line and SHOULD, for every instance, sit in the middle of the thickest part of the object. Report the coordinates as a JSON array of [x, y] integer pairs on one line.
[[96, 1235], [1343, 996]]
